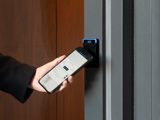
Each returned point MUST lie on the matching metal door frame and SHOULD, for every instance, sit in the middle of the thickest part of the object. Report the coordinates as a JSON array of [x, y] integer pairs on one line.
[[107, 95]]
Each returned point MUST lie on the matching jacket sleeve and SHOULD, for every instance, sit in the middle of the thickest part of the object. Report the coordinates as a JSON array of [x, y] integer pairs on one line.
[[15, 77]]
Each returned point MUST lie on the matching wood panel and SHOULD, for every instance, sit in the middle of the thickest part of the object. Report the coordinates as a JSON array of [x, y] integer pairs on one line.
[[70, 32], [28, 33]]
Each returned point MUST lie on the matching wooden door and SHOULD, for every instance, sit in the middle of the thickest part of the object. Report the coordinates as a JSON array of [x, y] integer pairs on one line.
[[70, 31], [36, 32]]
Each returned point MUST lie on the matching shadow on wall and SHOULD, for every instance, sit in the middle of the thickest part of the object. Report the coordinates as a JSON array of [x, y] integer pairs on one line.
[[91, 73]]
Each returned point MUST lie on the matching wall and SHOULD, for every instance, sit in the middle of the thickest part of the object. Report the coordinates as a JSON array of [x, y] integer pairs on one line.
[[104, 95], [147, 66]]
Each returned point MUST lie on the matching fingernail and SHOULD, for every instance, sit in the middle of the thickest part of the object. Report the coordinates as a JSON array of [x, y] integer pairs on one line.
[[71, 80]]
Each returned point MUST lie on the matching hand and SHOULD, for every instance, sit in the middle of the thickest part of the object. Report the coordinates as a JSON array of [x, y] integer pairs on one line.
[[41, 71]]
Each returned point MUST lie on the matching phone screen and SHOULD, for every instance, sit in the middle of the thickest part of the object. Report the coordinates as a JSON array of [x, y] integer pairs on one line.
[[63, 70]]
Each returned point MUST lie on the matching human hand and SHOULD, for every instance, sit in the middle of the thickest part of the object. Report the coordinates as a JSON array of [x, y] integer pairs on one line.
[[41, 71]]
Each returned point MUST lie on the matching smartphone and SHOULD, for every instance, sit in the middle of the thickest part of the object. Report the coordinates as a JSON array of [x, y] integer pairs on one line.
[[67, 67]]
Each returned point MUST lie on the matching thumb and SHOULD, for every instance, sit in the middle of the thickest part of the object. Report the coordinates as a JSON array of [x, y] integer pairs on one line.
[[47, 67], [53, 63]]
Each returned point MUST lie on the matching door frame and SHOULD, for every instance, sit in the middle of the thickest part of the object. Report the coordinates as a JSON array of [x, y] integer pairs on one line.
[[111, 87]]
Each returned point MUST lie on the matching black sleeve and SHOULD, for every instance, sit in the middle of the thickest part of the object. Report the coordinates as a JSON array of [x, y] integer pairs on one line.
[[15, 77]]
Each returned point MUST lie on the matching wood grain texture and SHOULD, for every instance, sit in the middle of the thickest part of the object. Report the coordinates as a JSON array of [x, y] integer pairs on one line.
[[35, 32], [70, 32], [28, 33]]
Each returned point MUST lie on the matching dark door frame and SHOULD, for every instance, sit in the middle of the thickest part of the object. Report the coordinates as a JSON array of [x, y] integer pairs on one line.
[[128, 59]]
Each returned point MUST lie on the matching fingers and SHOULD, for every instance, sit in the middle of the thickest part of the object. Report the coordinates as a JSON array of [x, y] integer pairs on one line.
[[47, 67], [41, 71], [59, 58], [65, 83], [70, 79], [55, 62]]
